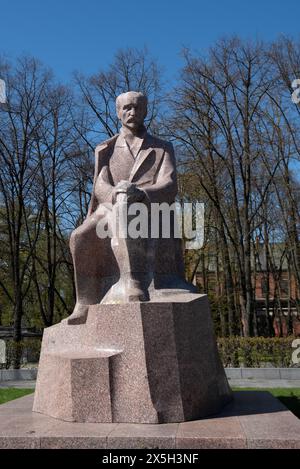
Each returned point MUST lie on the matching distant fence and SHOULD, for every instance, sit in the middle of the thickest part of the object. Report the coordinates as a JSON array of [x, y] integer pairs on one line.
[[235, 352], [28, 349]]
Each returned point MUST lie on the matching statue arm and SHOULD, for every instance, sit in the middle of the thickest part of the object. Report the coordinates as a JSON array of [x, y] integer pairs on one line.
[[165, 187], [103, 187], [102, 190]]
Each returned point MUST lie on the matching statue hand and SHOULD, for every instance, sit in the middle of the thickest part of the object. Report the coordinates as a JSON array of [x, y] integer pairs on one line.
[[134, 194], [121, 187]]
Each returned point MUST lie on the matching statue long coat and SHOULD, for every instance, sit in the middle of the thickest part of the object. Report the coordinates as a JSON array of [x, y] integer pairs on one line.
[[154, 171]]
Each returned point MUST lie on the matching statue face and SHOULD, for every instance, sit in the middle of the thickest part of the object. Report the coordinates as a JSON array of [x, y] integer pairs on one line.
[[132, 111]]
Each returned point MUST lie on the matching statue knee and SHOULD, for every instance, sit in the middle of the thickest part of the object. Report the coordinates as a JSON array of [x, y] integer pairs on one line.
[[84, 233], [74, 239]]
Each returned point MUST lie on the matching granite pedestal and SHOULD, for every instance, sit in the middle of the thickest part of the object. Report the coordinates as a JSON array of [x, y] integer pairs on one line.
[[148, 362]]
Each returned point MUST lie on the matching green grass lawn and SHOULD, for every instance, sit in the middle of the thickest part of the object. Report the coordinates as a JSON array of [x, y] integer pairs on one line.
[[8, 394], [290, 397]]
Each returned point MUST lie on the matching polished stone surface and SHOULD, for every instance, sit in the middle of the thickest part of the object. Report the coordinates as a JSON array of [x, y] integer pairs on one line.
[[251, 420], [149, 362]]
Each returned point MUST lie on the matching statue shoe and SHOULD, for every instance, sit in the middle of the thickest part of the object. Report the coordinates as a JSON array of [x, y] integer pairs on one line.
[[135, 292], [79, 314]]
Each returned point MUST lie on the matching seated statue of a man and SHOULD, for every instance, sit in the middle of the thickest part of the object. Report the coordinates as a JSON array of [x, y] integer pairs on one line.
[[131, 167]]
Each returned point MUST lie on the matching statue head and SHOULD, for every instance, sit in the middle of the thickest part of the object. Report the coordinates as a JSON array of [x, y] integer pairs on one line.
[[132, 109]]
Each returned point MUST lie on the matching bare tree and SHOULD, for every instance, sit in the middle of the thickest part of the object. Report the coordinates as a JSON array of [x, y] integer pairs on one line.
[[131, 69], [217, 108], [18, 128]]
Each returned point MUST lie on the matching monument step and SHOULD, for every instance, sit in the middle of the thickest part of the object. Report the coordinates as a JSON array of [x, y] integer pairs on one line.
[[251, 420], [75, 385]]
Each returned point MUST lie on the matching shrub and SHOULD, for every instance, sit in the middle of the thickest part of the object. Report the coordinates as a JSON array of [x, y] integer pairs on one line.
[[234, 351], [28, 350], [256, 351]]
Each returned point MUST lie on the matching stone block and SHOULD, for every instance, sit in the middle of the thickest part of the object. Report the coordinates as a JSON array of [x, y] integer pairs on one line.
[[254, 419], [147, 362], [75, 386], [143, 436], [210, 433]]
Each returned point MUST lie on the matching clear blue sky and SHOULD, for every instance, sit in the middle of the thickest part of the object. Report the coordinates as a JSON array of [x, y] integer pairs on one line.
[[84, 34]]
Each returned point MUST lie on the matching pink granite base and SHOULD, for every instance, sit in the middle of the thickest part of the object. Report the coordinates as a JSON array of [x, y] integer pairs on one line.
[[151, 362], [253, 419]]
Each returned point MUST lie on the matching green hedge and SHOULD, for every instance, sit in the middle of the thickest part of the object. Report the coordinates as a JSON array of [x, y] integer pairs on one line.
[[256, 351], [234, 351]]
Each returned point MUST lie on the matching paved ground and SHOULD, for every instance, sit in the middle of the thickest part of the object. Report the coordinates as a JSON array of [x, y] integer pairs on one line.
[[240, 383], [251, 420]]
